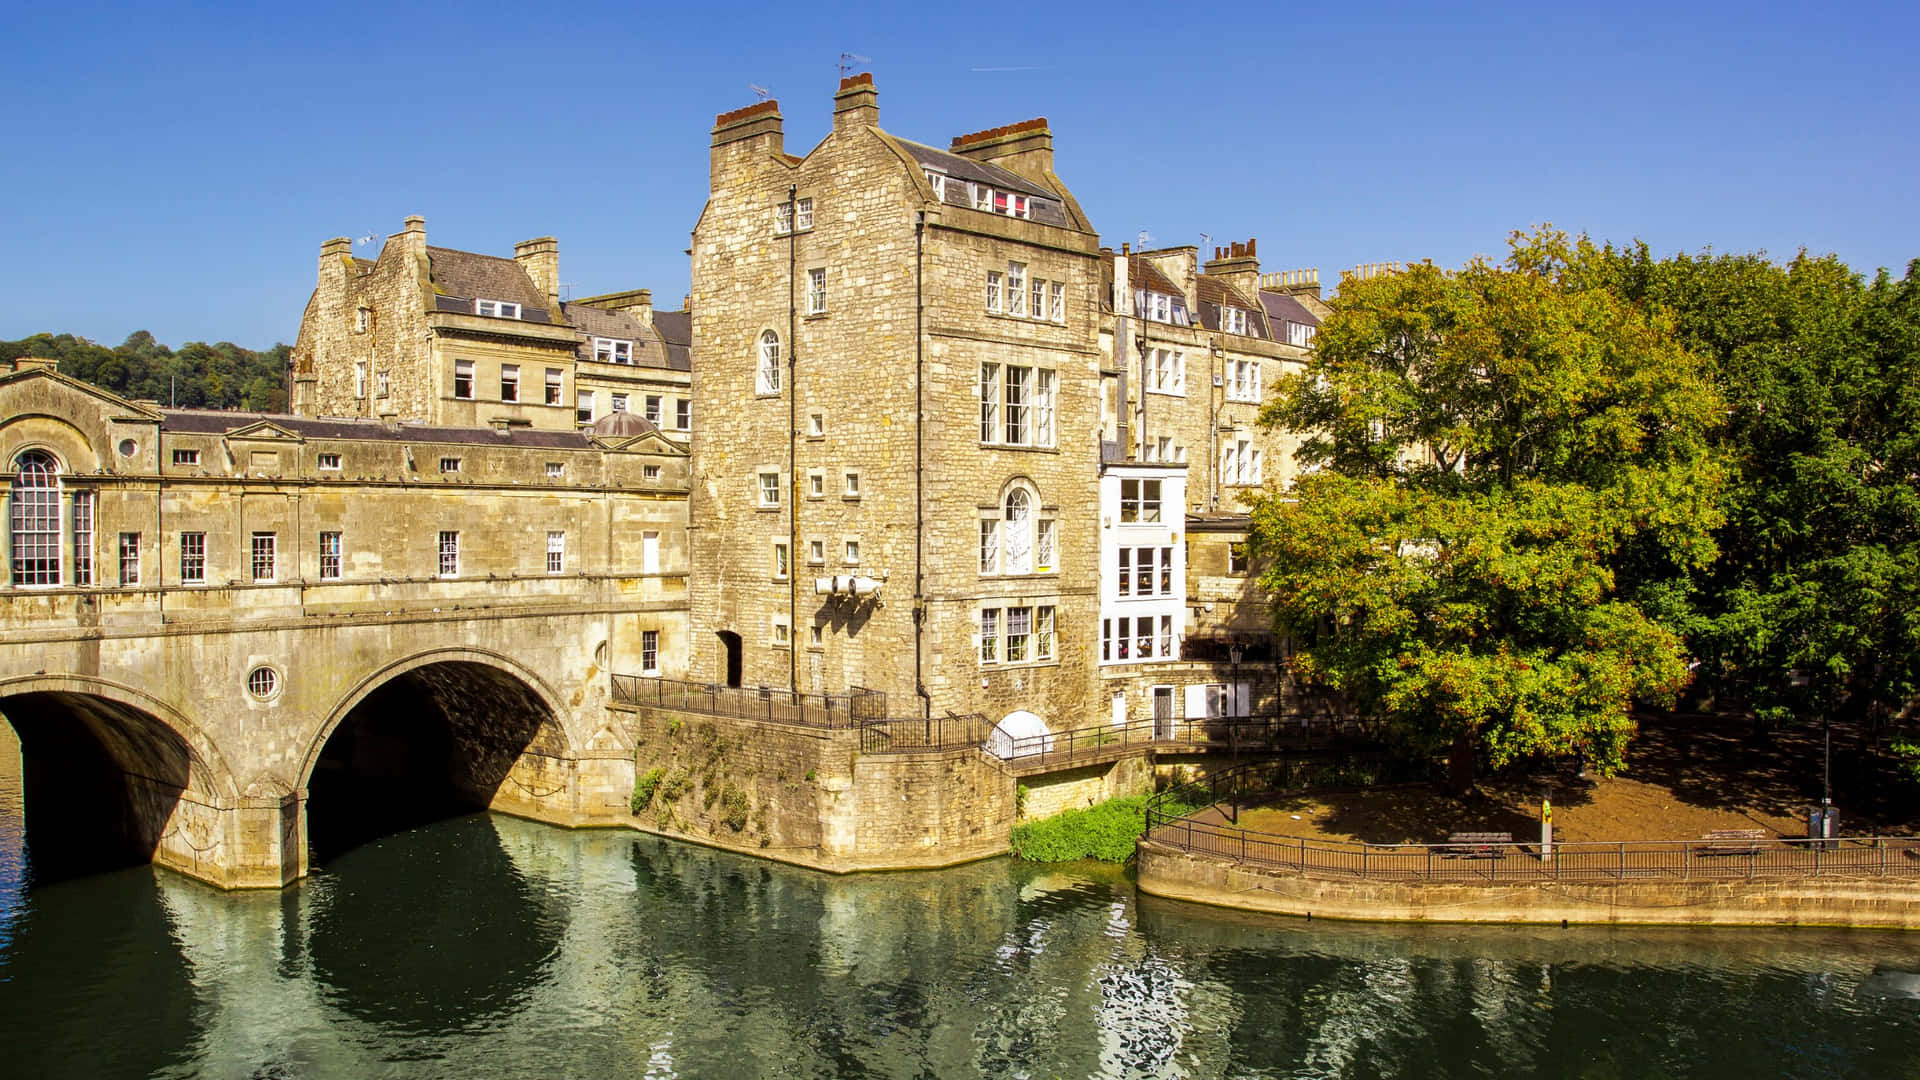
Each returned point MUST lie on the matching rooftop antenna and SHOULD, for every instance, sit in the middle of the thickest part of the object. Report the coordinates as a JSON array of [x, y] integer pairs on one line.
[[851, 60], [365, 240], [566, 291], [1206, 240], [1143, 240], [760, 90]]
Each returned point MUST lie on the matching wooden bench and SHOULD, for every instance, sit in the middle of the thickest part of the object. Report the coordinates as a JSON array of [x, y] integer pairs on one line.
[[1476, 845], [1732, 842]]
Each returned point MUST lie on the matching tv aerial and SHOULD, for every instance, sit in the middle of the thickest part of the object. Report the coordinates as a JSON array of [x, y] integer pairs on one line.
[[759, 90], [849, 61]]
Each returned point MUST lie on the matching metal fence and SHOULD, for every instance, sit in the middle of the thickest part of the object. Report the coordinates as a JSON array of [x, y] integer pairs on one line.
[[912, 734], [753, 703], [1614, 861], [1100, 742]]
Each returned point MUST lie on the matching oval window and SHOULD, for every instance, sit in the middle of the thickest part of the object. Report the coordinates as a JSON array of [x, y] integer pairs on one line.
[[262, 682], [127, 448]]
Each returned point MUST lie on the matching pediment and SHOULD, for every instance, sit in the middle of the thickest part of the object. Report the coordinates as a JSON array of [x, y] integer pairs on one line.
[[110, 405], [651, 442], [263, 431]]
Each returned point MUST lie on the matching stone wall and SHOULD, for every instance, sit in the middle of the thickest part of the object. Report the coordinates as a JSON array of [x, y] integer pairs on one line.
[[808, 796], [1885, 903]]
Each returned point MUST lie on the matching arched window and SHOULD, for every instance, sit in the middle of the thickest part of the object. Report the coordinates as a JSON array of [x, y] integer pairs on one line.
[[1016, 530], [1015, 538], [769, 362], [36, 519]]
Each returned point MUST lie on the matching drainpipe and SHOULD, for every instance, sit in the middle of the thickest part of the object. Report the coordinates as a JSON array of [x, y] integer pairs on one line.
[[919, 461], [793, 433]]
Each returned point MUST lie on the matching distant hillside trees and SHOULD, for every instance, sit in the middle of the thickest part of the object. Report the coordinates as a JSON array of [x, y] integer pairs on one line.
[[196, 376]]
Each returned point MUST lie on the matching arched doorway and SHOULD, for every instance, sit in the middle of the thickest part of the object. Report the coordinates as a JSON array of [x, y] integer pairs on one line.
[[432, 741], [101, 781]]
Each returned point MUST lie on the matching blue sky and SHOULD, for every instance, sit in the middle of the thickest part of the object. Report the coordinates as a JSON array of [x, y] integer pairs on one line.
[[175, 167]]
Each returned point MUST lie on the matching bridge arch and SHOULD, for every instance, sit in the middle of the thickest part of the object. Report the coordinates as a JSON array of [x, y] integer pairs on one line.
[[115, 776], [431, 735]]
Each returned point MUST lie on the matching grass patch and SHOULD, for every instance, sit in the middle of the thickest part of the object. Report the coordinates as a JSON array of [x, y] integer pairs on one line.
[[1105, 832]]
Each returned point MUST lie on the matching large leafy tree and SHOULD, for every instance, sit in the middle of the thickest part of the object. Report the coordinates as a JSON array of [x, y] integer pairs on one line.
[[1812, 613], [1484, 450], [222, 376]]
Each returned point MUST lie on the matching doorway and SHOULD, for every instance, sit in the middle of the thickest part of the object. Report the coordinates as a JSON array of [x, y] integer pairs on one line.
[[730, 653]]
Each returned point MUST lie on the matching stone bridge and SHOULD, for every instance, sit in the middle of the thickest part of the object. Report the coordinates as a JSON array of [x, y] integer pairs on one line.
[[142, 739], [229, 641]]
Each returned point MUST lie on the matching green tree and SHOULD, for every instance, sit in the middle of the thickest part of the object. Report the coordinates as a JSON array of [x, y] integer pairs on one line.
[[1809, 614], [1483, 450]]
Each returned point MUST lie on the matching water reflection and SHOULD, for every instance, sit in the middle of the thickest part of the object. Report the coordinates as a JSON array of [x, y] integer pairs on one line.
[[491, 946]]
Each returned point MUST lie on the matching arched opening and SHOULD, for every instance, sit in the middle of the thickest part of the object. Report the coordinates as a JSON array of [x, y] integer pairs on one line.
[[730, 656], [430, 743], [98, 779]]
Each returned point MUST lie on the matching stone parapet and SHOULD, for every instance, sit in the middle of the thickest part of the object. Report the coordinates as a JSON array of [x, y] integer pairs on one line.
[[1864, 902]]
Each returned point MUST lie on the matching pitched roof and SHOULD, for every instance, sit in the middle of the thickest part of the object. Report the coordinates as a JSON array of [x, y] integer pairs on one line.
[[676, 329], [1047, 208], [1212, 293], [648, 348], [1283, 308], [466, 276], [219, 422]]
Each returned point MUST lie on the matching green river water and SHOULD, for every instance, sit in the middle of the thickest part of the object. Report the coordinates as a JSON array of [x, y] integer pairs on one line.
[[486, 946]]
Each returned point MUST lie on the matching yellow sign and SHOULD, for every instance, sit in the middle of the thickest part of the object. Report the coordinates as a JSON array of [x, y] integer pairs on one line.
[[1546, 811]]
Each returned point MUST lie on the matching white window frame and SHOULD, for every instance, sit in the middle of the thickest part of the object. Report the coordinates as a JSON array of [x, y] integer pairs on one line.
[[613, 350], [767, 489], [850, 488], [463, 379], [449, 464], [448, 550], [83, 514], [803, 214], [782, 218], [556, 551], [995, 288], [498, 309], [816, 484], [327, 462], [782, 633], [1233, 320], [651, 409], [1017, 289], [556, 468], [1300, 335], [683, 414], [782, 563], [1057, 302], [129, 558], [556, 383], [817, 290], [186, 457], [332, 554], [938, 181], [583, 406], [850, 552], [767, 362], [649, 472], [619, 402], [1159, 307], [193, 558], [509, 382], [263, 557], [816, 553], [1243, 380], [1135, 509], [382, 385]]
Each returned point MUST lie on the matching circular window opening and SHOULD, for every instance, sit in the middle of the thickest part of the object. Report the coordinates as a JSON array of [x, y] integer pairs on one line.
[[127, 448], [262, 682]]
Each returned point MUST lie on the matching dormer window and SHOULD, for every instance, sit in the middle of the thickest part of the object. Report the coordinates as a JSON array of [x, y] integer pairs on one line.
[[612, 350], [939, 182], [498, 309], [1233, 320], [1299, 335], [1160, 307], [1005, 202]]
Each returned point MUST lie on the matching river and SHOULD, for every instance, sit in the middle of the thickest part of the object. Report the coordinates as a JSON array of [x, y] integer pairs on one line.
[[490, 946]]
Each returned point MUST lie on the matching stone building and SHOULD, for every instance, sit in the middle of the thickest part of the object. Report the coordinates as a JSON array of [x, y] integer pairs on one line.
[[454, 338], [904, 340], [961, 464]]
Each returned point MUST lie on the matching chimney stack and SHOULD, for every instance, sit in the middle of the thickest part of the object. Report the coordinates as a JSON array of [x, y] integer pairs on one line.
[[740, 136], [856, 104], [1238, 266], [540, 258], [1025, 147]]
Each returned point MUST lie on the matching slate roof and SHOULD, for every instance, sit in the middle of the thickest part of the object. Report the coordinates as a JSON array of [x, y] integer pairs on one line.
[[460, 277], [1142, 275], [1212, 293], [1282, 309], [218, 422], [676, 330], [648, 349], [1046, 208]]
